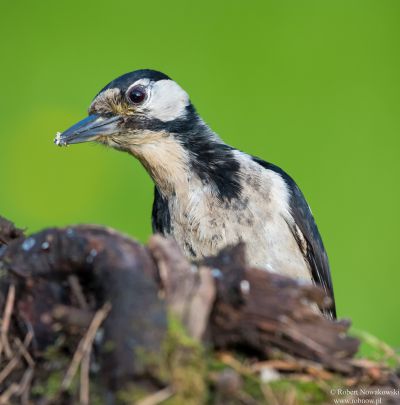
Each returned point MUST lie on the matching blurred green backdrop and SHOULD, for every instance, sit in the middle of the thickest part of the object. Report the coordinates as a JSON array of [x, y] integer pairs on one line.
[[313, 86]]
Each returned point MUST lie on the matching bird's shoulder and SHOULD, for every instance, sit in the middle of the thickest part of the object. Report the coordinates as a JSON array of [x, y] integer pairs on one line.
[[305, 231]]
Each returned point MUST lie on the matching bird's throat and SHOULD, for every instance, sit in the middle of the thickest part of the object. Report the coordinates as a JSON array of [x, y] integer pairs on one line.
[[165, 160], [179, 162]]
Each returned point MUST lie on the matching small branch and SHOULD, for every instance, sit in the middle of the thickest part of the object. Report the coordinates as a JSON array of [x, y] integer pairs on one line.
[[8, 393], [4, 343], [85, 344], [157, 397], [9, 368], [84, 392], [72, 317], [77, 291], [16, 359]]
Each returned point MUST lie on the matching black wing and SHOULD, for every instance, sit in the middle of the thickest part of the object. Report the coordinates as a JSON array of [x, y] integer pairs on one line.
[[314, 251], [160, 217]]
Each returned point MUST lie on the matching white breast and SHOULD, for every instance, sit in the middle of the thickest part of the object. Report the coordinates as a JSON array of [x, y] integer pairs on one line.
[[202, 225]]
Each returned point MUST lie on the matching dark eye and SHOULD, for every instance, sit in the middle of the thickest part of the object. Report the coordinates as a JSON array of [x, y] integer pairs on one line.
[[136, 94]]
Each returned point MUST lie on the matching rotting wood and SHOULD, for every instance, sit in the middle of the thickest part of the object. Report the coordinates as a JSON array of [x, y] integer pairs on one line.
[[62, 277]]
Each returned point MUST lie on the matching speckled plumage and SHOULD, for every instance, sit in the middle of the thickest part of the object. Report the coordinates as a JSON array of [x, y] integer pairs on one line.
[[207, 194]]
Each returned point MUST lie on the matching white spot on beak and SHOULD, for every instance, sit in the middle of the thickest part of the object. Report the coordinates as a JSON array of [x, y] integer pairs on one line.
[[58, 141]]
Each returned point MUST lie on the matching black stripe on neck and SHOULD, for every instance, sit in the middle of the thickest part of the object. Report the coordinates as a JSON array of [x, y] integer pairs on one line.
[[211, 159]]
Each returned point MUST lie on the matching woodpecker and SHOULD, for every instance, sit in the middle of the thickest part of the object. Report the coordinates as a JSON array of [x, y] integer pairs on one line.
[[208, 195]]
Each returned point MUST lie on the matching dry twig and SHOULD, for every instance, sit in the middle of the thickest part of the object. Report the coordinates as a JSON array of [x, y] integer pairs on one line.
[[77, 291], [85, 344], [8, 309], [8, 393], [157, 397], [84, 388]]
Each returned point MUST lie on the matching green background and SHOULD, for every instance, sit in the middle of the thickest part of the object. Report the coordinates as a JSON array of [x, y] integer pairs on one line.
[[312, 86]]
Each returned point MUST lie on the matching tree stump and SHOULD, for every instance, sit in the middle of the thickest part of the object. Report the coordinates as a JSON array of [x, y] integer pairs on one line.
[[99, 311]]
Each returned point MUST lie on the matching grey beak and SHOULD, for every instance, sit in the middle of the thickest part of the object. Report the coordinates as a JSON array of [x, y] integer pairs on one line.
[[88, 130]]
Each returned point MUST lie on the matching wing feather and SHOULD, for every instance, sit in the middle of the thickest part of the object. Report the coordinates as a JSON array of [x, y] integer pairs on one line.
[[306, 233]]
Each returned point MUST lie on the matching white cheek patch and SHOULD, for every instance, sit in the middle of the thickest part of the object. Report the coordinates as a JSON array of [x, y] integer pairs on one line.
[[167, 101]]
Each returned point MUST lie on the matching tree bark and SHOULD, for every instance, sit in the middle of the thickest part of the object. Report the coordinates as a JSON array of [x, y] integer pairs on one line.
[[107, 299]]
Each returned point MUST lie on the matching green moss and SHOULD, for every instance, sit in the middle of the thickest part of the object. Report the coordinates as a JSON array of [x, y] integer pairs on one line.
[[181, 365], [131, 394], [96, 396], [252, 387], [108, 346], [214, 364], [186, 366], [49, 387], [306, 393], [47, 383], [372, 348], [191, 372]]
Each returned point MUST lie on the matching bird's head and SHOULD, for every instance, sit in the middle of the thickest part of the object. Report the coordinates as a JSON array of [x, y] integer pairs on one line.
[[134, 109], [150, 116]]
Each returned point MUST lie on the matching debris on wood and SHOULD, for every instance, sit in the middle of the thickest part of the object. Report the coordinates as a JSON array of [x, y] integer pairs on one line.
[[88, 314], [8, 231]]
